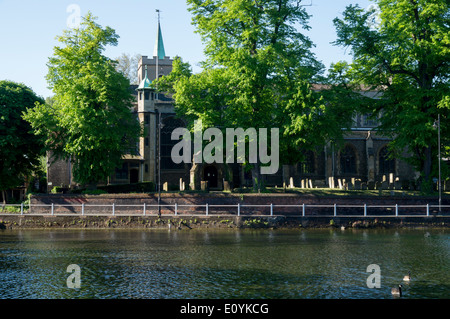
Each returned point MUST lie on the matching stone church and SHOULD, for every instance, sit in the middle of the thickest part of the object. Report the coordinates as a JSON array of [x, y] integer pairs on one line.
[[362, 159]]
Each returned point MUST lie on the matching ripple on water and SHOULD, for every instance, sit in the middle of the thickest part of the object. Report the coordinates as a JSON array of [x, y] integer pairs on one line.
[[214, 264]]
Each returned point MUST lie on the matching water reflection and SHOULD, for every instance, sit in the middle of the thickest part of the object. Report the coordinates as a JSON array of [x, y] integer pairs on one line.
[[223, 264]]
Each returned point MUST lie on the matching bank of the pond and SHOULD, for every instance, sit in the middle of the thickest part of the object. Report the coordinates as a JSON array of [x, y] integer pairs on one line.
[[187, 222]]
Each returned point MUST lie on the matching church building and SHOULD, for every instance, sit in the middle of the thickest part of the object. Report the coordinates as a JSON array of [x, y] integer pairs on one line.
[[362, 160]]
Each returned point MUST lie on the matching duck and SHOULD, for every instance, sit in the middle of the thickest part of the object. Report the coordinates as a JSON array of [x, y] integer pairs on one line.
[[397, 291], [407, 277]]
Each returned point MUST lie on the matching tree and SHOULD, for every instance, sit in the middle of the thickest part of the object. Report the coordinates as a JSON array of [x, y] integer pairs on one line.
[[403, 52], [257, 72], [127, 64], [90, 120], [20, 148]]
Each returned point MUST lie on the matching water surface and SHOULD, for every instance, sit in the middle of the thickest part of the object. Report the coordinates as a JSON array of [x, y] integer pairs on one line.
[[223, 263]]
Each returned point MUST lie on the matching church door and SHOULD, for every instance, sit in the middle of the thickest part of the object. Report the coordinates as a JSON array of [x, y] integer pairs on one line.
[[134, 176]]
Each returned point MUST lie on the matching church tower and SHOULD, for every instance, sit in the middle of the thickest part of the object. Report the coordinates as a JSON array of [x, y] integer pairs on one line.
[[151, 104]]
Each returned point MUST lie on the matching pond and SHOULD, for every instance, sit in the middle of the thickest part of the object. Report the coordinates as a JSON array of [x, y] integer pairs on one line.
[[223, 264]]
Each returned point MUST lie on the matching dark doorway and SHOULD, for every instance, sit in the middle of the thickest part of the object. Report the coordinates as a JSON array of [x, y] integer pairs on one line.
[[134, 176], [210, 175]]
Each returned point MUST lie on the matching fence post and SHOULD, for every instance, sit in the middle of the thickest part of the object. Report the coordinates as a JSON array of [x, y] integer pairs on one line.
[[82, 208], [303, 210], [53, 206], [396, 209], [239, 209], [365, 210], [145, 208], [114, 209], [271, 209], [428, 209], [335, 208], [206, 209], [21, 209], [176, 209]]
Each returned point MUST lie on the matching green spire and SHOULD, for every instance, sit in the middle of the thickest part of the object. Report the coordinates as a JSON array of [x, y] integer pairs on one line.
[[145, 83], [159, 45]]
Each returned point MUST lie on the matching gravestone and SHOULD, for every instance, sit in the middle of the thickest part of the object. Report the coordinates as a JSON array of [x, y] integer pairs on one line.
[[181, 185], [291, 182], [363, 186], [204, 186], [340, 183], [377, 185], [310, 183], [331, 182], [371, 185], [358, 184], [165, 186]]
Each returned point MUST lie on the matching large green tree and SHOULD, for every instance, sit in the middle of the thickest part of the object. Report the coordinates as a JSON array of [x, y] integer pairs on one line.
[[402, 49], [90, 120], [19, 147], [257, 73]]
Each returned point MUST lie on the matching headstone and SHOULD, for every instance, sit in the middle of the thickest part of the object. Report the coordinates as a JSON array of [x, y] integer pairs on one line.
[[363, 186], [291, 182], [303, 183], [447, 185], [350, 186], [391, 178], [310, 184], [204, 185], [385, 185], [331, 182], [371, 185], [181, 185], [340, 183], [377, 185], [226, 186], [165, 186], [358, 184]]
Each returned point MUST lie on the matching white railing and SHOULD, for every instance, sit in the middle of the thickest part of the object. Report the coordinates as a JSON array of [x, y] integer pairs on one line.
[[304, 210]]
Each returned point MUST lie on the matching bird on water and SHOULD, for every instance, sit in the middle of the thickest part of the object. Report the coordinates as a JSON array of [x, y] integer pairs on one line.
[[407, 277], [397, 291]]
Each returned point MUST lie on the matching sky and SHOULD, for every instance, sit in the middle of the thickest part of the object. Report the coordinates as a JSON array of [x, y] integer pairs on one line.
[[28, 31]]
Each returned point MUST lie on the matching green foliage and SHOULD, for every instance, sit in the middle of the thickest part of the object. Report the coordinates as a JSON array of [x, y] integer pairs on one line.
[[256, 74], [404, 54], [20, 149], [94, 192], [90, 120]]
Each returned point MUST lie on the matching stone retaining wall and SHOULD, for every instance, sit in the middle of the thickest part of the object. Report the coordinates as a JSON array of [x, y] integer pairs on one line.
[[134, 203]]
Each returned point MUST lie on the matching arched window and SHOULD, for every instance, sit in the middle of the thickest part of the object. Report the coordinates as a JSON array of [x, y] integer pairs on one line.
[[348, 160], [308, 165], [386, 164], [169, 124]]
